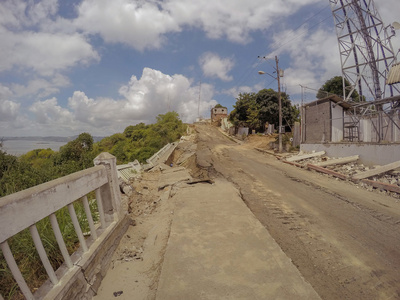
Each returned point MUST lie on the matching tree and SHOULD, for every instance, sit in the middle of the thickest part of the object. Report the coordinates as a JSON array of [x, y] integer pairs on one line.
[[77, 154], [244, 111], [169, 127], [254, 110], [219, 106], [136, 132], [335, 86], [16, 175], [267, 100]]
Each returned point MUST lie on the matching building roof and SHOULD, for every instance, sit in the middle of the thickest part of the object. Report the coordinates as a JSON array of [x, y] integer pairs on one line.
[[334, 98], [394, 74]]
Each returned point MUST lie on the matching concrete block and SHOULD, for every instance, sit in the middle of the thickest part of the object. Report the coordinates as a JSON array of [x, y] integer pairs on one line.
[[305, 156], [377, 171], [338, 161]]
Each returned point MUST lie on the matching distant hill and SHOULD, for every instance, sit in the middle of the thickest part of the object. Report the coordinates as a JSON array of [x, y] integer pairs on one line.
[[61, 139]]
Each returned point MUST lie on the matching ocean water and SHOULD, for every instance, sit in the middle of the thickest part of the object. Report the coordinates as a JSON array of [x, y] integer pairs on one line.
[[19, 147]]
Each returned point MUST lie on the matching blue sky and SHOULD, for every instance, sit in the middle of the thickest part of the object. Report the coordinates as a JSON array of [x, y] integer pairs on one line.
[[97, 66]]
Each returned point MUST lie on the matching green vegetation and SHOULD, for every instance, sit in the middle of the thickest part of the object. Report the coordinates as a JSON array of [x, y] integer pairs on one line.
[[335, 86], [219, 106], [41, 165], [253, 110], [27, 258]]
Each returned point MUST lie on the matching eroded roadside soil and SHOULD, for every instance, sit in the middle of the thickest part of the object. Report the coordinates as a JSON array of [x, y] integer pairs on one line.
[[344, 240]]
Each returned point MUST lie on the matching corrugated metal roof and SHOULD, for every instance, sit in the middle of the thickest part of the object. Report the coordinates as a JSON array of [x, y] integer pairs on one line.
[[394, 74]]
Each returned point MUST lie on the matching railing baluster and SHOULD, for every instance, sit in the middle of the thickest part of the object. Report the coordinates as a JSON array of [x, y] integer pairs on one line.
[[60, 240], [77, 227], [89, 217], [15, 270], [42, 253], [101, 209]]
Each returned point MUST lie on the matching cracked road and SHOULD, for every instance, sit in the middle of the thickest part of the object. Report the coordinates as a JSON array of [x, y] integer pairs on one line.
[[344, 240]]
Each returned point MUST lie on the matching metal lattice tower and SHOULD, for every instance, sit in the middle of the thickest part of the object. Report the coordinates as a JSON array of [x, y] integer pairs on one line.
[[366, 52]]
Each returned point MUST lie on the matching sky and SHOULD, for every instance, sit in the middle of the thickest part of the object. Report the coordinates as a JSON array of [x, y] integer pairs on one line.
[[98, 66]]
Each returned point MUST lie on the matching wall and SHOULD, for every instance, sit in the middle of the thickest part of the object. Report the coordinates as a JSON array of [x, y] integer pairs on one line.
[[243, 131], [370, 153], [218, 113], [317, 123], [370, 131], [337, 122]]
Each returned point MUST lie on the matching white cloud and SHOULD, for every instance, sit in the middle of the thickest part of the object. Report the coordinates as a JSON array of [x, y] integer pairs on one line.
[[390, 15], [5, 92], [41, 87], [33, 41], [144, 24], [232, 19], [20, 13], [142, 100], [8, 110], [43, 52], [215, 66], [314, 57], [235, 91], [139, 24], [49, 112]]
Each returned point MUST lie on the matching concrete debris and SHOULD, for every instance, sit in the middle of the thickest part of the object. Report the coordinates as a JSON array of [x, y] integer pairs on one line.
[[377, 171], [131, 254], [382, 178], [338, 161], [305, 156], [125, 188]]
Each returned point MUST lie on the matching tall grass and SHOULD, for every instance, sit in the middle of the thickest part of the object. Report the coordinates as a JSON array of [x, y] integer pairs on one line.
[[27, 258]]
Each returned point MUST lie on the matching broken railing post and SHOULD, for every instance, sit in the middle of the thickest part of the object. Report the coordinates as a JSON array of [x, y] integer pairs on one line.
[[109, 192]]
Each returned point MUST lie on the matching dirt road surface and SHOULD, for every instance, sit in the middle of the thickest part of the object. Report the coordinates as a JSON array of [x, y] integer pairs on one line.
[[345, 241]]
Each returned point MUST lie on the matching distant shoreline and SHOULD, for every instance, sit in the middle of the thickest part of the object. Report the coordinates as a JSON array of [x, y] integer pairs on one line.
[[21, 145], [61, 139]]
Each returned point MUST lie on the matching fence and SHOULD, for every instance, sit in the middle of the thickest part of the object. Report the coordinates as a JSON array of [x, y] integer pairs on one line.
[[81, 273]]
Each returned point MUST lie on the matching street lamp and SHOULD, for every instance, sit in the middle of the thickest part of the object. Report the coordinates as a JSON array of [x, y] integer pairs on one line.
[[278, 75]]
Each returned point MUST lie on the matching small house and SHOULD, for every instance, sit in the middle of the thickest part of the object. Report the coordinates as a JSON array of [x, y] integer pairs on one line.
[[218, 112]]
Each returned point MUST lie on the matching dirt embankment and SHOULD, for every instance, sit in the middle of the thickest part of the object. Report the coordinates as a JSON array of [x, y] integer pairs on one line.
[[260, 141]]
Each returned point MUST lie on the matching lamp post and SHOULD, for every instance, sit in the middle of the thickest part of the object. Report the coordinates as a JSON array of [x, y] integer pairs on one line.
[[278, 75]]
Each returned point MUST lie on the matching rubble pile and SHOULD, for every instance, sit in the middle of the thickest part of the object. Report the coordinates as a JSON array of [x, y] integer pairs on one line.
[[354, 168]]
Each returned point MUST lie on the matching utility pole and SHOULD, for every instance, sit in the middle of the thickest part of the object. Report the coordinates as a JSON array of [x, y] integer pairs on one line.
[[278, 75], [198, 107]]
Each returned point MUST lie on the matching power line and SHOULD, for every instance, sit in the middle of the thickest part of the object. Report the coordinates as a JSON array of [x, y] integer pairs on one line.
[[299, 26], [294, 36]]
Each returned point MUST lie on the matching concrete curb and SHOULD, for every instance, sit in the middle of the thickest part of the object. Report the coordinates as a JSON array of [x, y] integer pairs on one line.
[[230, 137], [327, 171]]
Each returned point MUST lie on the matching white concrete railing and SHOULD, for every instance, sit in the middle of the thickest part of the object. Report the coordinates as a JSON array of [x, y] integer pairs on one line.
[[156, 156], [24, 209]]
